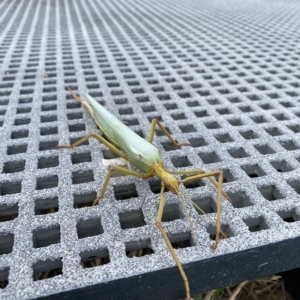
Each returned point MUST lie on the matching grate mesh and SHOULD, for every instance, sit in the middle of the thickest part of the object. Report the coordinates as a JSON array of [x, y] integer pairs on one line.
[[222, 75]]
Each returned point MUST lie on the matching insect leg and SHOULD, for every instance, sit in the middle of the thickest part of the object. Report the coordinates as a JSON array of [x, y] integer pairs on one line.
[[168, 242], [164, 130], [108, 176], [199, 171], [219, 187], [100, 139]]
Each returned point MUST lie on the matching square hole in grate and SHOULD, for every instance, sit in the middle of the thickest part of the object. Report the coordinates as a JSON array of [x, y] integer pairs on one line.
[[48, 162], [211, 229], [138, 248], [264, 149], [192, 184], [212, 125], [180, 161], [223, 111], [192, 103], [246, 109], [77, 127], [266, 106], [201, 113], [249, 134], [48, 119], [149, 108], [172, 212], [46, 206], [44, 269], [84, 200], [273, 131], [22, 121], [181, 240], [6, 242], [198, 142], [155, 186], [238, 152], [14, 166], [43, 237], [159, 132], [227, 176], [95, 258], [259, 119], [46, 182], [281, 117], [294, 127], [4, 274], [187, 128], [75, 116], [89, 227], [78, 158], [270, 192], [49, 107], [132, 219], [235, 122], [168, 146], [82, 176], [47, 145], [253, 170], [16, 149], [256, 223], [8, 188], [170, 106], [48, 131], [209, 157], [178, 116], [108, 154], [224, 138], [295, 184], [8, 212], [281, 165], [206, 203], [123, 192], [239, 199], [234, 99], [288, 216], [19, 134], [289, 145], [23, 110], [131, 122]]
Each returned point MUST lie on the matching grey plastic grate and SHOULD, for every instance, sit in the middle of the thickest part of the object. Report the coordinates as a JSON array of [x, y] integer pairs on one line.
[[223, 75]]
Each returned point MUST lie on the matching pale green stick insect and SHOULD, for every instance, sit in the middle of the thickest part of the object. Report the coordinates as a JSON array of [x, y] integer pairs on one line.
[[144, 156]]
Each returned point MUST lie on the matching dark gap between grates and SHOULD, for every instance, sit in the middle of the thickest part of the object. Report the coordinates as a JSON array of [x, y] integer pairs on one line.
[[256, 224], [181, 240], [43, 237], [73, 140], [295, 184], [46, 206], [47, 145], [211, 229], [132, 219], [45, 269], [8, 212], [224, 138], [206, 204], [239, 199], [84, 200], [77, 127], [227, 176], [209, 157], [46, 182], [198, 142], [6, 242], [49, 131], [264, 149], [48, 162], [13, 166], [17, 149], [123, 192], [270, 192], [181, 161], [4, 274], [289, 145], [95, 258], [138, 248], [281, 165], [274, 131], [238, 152], [159, 132], [192, 184], [89, 227], [288, 216], [249, 134], [78, 158], [294, 127], [155, 185], [79, 177], [254, 170], [172, 212], [7, 188]]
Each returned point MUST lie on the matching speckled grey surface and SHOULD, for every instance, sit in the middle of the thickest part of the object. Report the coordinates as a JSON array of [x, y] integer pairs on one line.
[[221, 74]]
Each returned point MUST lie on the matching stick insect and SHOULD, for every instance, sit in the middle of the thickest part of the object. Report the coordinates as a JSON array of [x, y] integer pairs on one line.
[[144, 156]]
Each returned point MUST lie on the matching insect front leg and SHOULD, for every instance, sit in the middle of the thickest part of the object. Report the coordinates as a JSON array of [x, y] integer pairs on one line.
[[168, 242], [155, 122]]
